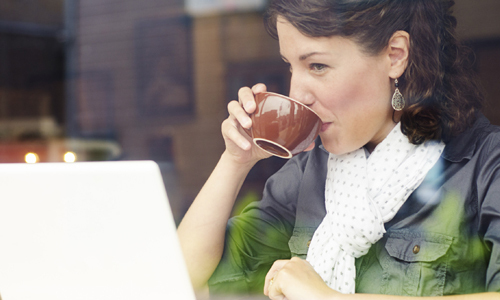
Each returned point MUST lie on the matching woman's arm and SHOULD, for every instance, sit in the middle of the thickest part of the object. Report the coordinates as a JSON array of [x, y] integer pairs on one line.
[[202, 230]]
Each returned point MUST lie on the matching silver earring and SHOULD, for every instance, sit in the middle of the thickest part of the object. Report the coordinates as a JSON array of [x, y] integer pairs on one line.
[[398, 101]]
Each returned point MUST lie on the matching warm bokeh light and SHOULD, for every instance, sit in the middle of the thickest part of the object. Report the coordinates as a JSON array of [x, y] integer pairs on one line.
[[69, 157], [31, 158]]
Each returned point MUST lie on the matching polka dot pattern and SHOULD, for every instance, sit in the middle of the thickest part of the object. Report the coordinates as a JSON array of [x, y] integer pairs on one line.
[[362, 192]]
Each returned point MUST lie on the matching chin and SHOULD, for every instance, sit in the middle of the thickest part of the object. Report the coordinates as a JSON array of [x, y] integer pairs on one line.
[[333, 147], [330, 147]]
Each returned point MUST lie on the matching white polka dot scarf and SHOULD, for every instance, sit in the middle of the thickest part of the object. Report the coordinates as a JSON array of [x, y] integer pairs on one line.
[[362, 194]]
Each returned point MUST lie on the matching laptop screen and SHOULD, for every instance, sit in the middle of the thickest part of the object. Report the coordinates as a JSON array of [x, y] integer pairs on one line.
[[93, 230]]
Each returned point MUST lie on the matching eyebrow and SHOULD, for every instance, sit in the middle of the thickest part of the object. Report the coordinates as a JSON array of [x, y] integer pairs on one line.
[[306, 56]]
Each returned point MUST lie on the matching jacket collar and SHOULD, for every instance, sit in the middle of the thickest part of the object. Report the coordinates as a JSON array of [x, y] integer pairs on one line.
[[463, 146]]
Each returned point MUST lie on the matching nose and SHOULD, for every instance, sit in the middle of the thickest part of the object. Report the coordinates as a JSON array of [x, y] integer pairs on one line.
[[299, 90]]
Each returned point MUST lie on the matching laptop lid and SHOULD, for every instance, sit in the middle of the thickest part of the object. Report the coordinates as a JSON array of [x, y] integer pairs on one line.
[[90, 230]]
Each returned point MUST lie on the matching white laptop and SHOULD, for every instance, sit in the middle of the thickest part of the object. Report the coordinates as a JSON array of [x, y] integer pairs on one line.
[[90, 230]]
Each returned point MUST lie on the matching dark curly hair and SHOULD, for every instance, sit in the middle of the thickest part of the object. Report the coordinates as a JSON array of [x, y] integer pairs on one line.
[[441, 91]]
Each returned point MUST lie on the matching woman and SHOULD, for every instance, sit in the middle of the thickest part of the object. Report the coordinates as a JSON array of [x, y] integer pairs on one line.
[[402, 194]]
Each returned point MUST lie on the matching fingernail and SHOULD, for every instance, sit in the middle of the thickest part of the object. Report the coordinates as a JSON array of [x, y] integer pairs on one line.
[[247, 123], [249, 105]]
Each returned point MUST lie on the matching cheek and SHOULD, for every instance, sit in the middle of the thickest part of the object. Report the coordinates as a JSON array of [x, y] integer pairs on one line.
[[349, 97], [368, 93], [356, 91]]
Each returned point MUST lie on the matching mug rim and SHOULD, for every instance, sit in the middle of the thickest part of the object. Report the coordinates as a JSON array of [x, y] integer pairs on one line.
[[290, 155]]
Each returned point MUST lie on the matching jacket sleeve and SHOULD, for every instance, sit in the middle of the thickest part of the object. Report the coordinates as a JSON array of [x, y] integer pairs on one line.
[[489, 183], [260, 234]]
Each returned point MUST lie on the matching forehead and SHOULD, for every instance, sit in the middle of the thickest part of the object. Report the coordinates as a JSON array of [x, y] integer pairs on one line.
[[293, 43]]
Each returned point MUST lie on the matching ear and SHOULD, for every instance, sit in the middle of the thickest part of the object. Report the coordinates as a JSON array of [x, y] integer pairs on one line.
[[398, 51]]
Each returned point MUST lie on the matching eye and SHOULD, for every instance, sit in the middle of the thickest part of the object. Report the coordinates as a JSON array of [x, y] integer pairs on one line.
[[317, 67]]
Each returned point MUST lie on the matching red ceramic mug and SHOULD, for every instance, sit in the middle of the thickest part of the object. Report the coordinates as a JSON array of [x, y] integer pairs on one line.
[[283, 126]]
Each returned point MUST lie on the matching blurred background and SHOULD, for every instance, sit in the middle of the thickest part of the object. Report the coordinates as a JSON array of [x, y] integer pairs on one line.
[[97, 80]]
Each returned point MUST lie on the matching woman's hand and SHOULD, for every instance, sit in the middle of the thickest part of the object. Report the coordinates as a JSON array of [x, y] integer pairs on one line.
[[238, 144], [295, 279]]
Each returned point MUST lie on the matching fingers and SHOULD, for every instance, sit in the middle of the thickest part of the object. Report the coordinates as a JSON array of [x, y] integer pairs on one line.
[[275, 291], [259, 88], [271, 276], [246, 99], [239, 114], [239, 122], [230, 131], [246, 96]]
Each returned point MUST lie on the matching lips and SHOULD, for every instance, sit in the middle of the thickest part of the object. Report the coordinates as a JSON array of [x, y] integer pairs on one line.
[[325, 126]]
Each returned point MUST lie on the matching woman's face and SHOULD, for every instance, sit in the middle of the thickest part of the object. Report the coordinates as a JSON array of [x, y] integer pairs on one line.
[[349, 90]]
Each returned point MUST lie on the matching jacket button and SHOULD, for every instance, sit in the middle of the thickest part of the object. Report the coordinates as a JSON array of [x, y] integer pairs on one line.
[[308, 244], [416, 249]]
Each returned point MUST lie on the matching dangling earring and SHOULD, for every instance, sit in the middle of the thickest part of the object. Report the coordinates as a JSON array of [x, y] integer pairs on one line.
[[398, 102]]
